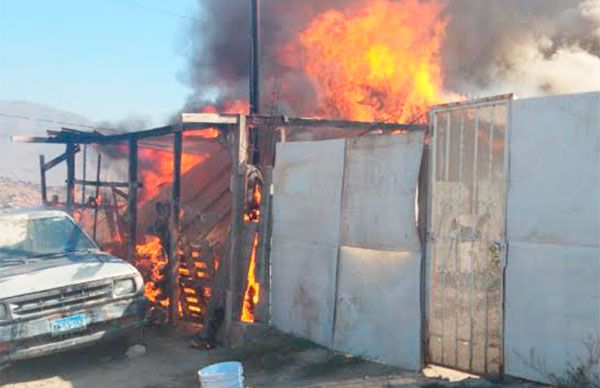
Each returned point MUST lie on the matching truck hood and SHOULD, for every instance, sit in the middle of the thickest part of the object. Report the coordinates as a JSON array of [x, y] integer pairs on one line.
[[67, 270]]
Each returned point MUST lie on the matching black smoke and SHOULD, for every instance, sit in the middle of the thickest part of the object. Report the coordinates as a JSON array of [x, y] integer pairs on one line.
[[530, 47]]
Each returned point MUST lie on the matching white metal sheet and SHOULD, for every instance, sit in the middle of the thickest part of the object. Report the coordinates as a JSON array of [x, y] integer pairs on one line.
[[307, 186], [378, 200], [552, 307], [554, 193], [303, 288], [307, 182], [378, 307], [553, 226]]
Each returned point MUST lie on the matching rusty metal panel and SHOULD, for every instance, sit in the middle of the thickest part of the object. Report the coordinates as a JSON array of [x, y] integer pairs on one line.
[[378, 200], [466, 241], [307, 185], [553, 226], [378, 308]]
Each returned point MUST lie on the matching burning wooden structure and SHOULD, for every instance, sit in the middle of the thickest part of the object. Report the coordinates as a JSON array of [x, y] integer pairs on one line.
[[202, 239]]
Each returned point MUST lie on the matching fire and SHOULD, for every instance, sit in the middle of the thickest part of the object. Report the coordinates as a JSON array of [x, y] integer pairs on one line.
[[227, 106], [151, 261], [251, 296], [207, 134], [159, 169], [378, 60], [157, 165], [253, 212]]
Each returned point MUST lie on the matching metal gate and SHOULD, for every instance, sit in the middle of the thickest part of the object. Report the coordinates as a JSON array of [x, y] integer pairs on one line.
[[466, 240]]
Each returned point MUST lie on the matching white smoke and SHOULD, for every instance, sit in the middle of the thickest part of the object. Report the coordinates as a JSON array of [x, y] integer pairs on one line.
[[538, 48]]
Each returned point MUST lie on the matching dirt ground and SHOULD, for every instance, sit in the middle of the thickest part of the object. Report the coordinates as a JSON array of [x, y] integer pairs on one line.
[[270, 359]]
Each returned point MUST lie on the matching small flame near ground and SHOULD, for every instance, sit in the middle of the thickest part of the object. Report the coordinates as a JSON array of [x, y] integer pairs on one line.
[[252, 294], [151, 259]]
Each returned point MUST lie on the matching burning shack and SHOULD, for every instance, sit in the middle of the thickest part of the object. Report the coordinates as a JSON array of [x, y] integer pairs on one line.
[[463, 235], [405, 243]]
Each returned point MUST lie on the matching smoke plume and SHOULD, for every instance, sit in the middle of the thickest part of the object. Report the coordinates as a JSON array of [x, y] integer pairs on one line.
[[532, 47]]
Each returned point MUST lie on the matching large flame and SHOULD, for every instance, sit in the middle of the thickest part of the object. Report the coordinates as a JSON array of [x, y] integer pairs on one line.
[[156, 172], [378, 60], [251, 296], [159, 163], [161, 171]]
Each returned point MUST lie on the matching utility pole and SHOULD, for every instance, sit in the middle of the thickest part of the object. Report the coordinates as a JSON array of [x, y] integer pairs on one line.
[[255, 77]]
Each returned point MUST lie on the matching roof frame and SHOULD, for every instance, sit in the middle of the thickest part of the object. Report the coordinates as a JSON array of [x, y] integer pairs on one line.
[[199, 121]]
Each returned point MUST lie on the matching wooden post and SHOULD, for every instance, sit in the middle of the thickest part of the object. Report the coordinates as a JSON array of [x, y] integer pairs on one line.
[[132, 200], [70, 153], [84, 173], [262, 312], [173, 286], [238, 149], [423, 220], [97, 195], [43, 180]]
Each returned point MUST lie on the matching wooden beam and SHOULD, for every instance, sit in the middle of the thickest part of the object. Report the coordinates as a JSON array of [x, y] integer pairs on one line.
[[35, 139], [342, 124], [173, 267], [44, 191], [264, 248], [106, 184], [97, 194], [70, 157], [209, 118], [238, 174], [84, 172], [98, 138], [59, 159], [132, 200]]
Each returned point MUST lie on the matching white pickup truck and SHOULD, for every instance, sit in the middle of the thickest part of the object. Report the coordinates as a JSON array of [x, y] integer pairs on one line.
[[58, 290]]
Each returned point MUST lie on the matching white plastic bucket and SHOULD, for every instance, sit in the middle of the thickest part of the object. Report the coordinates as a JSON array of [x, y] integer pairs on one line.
[[228, 374]]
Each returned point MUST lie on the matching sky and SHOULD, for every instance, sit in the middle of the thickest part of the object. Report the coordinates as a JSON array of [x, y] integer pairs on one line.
[[102, 59]]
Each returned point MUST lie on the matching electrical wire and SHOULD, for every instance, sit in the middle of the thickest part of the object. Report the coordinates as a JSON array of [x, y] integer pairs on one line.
[[159, 10], [53, 121]]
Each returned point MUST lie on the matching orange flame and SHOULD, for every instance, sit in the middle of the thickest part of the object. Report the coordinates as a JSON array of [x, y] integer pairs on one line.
[[161, 172], [251, 296], [253, 212], [151, 260], [161, 161], [378, 60]]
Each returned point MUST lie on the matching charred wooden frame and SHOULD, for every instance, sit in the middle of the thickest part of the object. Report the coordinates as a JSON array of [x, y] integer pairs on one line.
[[233, 128]]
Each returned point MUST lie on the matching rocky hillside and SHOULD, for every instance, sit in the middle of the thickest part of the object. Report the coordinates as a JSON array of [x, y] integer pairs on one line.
[[17, 194], [20, 161]]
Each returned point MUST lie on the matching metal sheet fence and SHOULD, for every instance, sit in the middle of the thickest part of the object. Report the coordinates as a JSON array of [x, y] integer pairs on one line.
[[346, 253]]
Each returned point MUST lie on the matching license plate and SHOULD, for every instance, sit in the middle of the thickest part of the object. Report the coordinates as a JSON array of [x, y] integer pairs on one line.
[[68, 324]]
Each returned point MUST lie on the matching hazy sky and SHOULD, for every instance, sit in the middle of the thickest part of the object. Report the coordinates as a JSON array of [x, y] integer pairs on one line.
[[103, 59]]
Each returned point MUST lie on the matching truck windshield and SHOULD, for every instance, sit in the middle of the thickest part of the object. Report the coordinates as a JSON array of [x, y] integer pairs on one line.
[[26, 238]]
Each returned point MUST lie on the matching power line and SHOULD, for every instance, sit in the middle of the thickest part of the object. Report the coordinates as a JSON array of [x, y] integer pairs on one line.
[[51, 121], [159, 10]]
